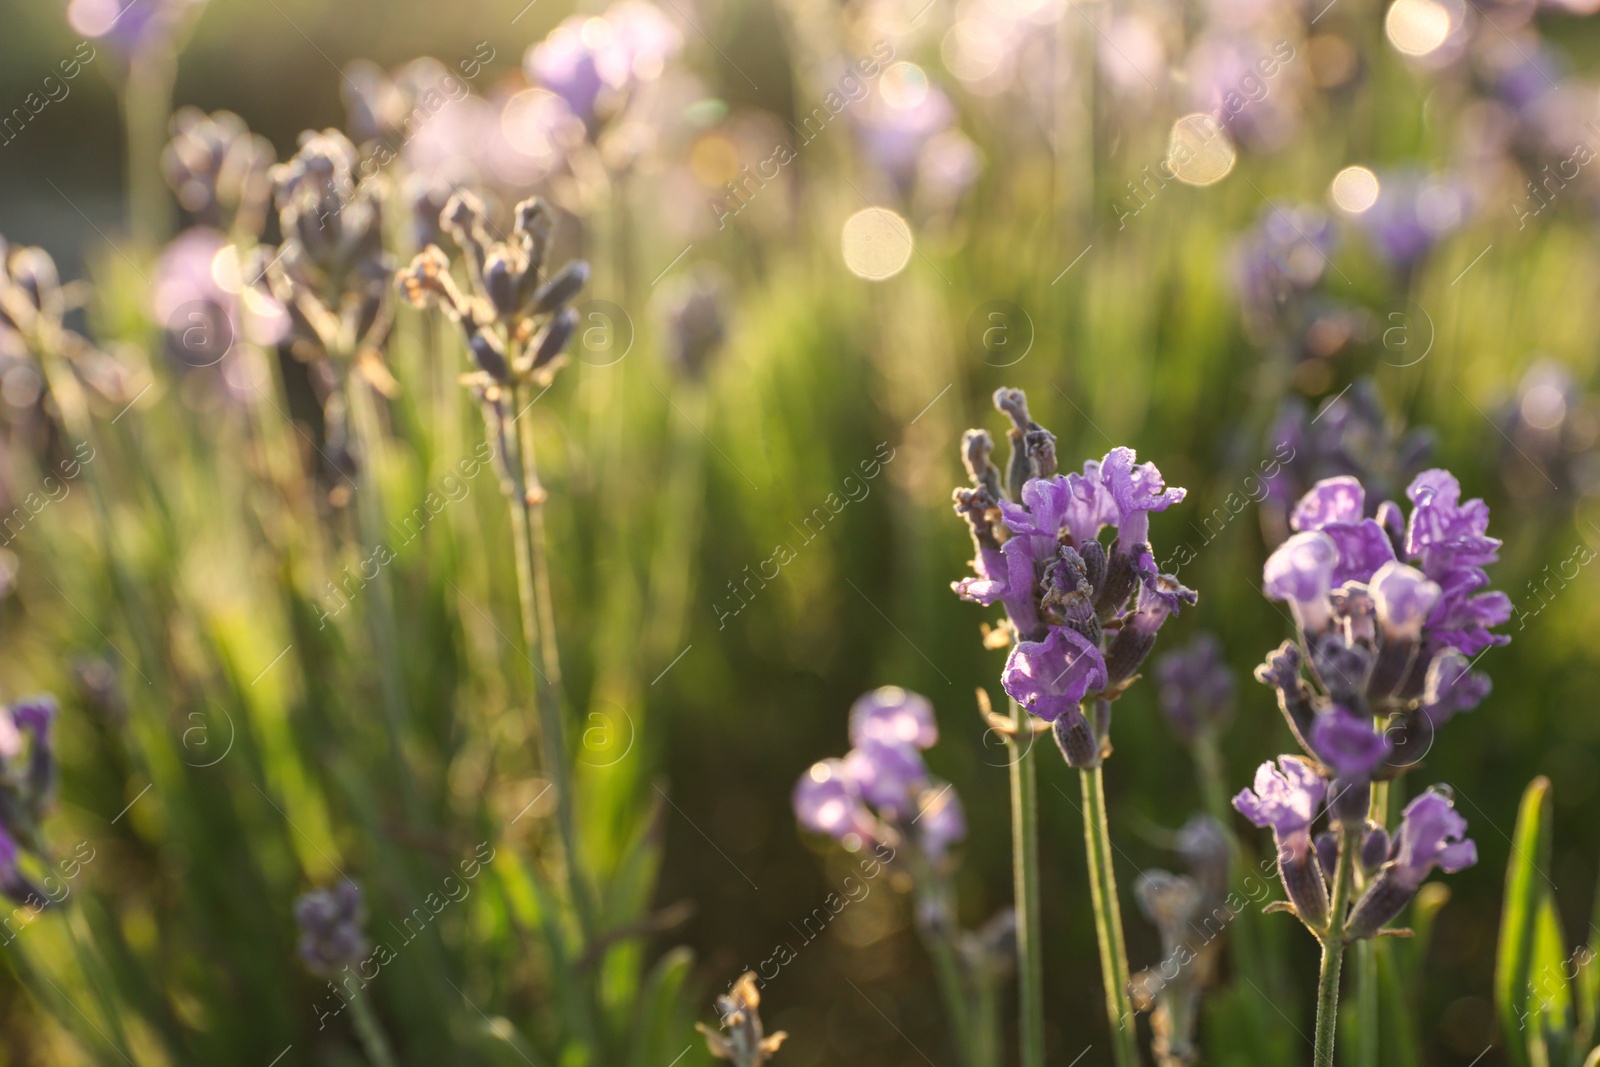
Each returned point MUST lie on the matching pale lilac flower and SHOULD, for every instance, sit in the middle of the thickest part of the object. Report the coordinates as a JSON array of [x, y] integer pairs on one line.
[[1300, 571], [1137, 489], [1340, 499], [131, 26], [1404, 597], [1288, 799]]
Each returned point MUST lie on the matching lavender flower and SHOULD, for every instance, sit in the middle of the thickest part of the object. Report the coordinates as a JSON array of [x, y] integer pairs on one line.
[[596, 64], [1384, 637], [1050, 678], [27, 791], [1083, 619], [881, 790], [1287, 799], [133, 26], [1198, 690], [1432, 834], [332, 927], [219, 170]]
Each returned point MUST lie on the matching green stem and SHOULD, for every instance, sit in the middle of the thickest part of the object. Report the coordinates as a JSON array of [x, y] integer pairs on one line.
[[1108, 919], [1368, 1025], [538, 628], [1025, 873], [948, 971], [1333, 950], [370, 1032], [146, 104], [385, 633]]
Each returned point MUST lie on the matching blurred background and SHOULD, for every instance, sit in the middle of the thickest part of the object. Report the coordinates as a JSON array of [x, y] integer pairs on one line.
[[1235, 234]]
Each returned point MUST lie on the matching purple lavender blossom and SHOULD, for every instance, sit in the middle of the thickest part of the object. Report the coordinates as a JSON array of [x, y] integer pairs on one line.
[[1285, 798], [1198, 691], [595, 63], [1301, 572], [1432, 834], [1349, 744], [1137, 489], [332, 923], [1412, 214], [888, 775], [1403, 597], [1051, 677], [1340, 499], [1450, 540], [1452, 687]]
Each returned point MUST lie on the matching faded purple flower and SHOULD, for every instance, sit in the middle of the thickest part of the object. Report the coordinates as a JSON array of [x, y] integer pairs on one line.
[[888, 775], [1051, 677], [332, 923], [941, 821], [1198, 690], [827, 800], [894, 716]]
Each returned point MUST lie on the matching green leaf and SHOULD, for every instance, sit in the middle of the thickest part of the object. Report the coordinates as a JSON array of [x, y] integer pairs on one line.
[[1519, 920], [1552, 993], [1586, 986], [661, 1008]]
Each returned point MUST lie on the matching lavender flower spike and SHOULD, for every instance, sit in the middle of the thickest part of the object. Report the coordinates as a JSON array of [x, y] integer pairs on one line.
[[1051, 677], [1339, 499], [1301, 572], [1287, 799], [1432, 834], [1198, 690]]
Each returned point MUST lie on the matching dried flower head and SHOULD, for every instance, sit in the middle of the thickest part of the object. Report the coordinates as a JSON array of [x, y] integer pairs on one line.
[[741, 1038]]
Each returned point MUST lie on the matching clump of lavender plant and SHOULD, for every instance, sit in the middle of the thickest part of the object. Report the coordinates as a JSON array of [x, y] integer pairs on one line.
[[742, 1040], [27, 789], [1081, 618], [881, 795], [1381, 642]]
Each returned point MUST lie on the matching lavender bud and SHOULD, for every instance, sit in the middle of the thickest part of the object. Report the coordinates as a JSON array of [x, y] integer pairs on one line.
[[1327, 844], [553, 341], [500, 283], [1095, 564], [1300, 870], [487, 355], [555, 293], [331, 925], [1374, 849], [1076, 740]]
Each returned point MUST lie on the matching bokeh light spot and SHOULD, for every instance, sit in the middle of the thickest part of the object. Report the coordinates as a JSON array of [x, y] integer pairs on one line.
[[1200, 152], [1354, 189], [1417, 27], [876, 243], [904, 86]]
